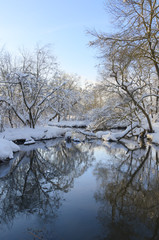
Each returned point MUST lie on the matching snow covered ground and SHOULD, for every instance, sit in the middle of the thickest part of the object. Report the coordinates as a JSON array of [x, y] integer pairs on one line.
[[7, 148], [30, 136], [39, 133], [26, 135], [72, 124]]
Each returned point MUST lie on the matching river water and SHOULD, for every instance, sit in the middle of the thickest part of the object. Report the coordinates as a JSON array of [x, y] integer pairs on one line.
[[86, 191]]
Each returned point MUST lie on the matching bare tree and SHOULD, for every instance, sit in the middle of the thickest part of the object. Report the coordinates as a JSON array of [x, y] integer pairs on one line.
[[26, 87], [135, 39]]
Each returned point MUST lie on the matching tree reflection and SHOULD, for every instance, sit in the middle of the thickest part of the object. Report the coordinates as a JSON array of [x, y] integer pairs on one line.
[[38, 178], [129, 195]]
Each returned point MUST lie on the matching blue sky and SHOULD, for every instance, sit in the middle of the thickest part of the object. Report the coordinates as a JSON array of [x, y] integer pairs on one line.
[[61, 23]]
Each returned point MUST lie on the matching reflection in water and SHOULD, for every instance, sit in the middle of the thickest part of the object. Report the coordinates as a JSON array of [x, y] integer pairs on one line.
[[129, 195], [34, 185], [36, 180]]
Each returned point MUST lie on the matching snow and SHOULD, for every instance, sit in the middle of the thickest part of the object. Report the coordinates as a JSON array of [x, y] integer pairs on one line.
[[99, 134], [30, 136], [39, 133], [110, 137], [118, 135], [29, 141], [75, 124], [7, 148], [68, 136], [154, 137]]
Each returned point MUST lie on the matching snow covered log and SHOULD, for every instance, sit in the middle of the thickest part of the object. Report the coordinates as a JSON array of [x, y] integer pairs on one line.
[[29, 141], [114, 137]]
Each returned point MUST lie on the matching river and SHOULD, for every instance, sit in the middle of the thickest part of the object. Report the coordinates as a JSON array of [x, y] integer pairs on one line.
[[86, 191]]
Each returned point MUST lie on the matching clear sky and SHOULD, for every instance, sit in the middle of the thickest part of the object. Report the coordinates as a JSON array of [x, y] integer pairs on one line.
[[61, 23]]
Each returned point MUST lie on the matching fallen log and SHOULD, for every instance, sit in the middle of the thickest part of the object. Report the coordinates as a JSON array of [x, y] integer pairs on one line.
[[116, 137]]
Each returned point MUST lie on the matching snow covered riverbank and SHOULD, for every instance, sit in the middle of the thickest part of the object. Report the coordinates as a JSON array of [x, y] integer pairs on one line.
[[38, 133], [26, 135], [7, 148], [71, 124]]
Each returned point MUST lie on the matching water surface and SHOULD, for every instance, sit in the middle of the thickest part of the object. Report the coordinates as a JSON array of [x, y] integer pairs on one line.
[[85, 191]]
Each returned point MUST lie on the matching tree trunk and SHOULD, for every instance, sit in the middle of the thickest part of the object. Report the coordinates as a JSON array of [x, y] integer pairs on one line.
[[141, 108], [58, 118]]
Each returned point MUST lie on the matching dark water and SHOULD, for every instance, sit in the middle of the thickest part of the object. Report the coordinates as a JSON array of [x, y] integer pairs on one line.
[[80, 192]]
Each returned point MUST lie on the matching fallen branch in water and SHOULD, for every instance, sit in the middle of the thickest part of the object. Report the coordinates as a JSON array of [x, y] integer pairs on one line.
[[115, 137]]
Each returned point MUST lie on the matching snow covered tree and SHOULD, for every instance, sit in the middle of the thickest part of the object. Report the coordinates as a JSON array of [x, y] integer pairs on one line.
[[67, 99], [134, 41], [33, 89], [129, 81], [26, 89]]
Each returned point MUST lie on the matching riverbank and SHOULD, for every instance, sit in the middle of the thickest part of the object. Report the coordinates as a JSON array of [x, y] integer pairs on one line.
[[11, 137]]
